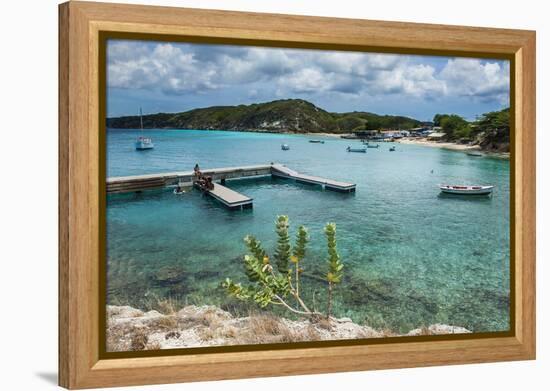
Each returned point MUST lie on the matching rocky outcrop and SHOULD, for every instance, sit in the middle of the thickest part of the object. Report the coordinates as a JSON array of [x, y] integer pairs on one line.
[[199, 326]]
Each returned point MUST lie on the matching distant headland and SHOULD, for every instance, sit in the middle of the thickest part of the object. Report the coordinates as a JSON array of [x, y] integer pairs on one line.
[[490, 131]]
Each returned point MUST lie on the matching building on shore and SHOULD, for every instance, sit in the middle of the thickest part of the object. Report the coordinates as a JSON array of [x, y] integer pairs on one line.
[[436, 136]]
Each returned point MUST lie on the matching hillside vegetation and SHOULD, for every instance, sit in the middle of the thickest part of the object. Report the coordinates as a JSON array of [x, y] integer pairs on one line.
[[491, 131], [289, 115]]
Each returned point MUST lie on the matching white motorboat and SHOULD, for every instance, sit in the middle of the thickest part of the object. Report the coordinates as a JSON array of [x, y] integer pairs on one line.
[[466, 189], [143, 143]]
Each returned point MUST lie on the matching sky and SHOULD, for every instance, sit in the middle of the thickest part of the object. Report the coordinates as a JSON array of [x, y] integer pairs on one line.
[[175, 77]]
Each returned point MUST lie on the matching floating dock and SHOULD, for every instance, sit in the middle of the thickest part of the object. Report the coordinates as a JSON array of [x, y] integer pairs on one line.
[[226, 196], [281, 171], [230, 198]]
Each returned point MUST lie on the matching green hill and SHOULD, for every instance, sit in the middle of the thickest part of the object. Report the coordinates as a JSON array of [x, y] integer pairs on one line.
[[289, 115], [491, 131]]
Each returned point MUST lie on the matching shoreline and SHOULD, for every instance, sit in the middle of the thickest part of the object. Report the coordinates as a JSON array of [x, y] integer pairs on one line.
[[130, 329], [410, 141], [266, 131], [454, 147]]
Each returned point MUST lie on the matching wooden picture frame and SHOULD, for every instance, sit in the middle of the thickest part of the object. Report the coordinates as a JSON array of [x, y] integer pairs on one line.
[[81, 186]]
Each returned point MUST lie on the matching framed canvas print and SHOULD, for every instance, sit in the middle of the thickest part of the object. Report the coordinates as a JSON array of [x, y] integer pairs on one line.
[[248, 195]]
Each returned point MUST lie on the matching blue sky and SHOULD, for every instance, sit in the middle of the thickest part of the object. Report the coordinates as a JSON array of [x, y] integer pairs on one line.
[[174, 77]]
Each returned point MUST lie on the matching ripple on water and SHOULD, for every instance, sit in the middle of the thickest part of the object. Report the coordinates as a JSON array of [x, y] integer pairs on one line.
[[412, 256]]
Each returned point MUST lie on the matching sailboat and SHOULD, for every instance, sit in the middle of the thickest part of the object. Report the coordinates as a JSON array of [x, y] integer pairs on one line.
[[143, 143]]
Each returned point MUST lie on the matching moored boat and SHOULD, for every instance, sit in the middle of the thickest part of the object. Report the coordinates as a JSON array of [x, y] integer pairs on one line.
[[466, 189], [392, 149], [475, 153], [317, 141], [361, 150], [143, 143], [285, 147], [372, 146]]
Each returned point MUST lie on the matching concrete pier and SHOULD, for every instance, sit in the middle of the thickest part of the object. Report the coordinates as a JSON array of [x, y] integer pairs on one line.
[[128, 184], [226, 196], [230, 198], [284, 172]]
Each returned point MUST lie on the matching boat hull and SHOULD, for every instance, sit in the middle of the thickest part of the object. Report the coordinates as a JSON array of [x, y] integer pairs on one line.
[[141, 146], [467, 190]]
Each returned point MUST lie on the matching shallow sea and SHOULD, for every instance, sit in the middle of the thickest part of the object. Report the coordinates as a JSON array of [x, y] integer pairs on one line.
[[413, 257]]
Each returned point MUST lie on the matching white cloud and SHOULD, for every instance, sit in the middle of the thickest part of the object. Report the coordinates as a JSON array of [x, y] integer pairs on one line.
[[485, 81], [165, 66], [188, 68]]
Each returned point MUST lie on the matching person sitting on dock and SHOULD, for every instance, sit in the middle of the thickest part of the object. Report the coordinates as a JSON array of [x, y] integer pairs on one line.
[[205, 183], [208, 183]]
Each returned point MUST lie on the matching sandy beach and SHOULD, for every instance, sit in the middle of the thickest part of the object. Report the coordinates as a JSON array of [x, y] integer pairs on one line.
[[453, 147], [313, 135], [437, 144]]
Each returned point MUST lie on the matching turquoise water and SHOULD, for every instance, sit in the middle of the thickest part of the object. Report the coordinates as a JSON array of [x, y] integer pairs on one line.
[[413, 257]]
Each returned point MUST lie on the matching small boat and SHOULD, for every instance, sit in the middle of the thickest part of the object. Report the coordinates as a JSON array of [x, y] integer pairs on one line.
[[475, 153], [372, 146], [317, 141], [392, 149], [285, 147], [466, 189], [143, 143], [361, 150]]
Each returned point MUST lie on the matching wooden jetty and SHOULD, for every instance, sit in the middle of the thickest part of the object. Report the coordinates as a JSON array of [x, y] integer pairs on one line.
[[226, 196]]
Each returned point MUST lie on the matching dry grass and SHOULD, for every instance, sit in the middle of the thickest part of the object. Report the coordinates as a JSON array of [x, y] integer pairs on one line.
[[207, 318], [203, 326], [265, 325], [167, 306], [425, 331], [153, 346], [388, 333], [312, 333], [267, 329], [324, 323], [139, 339], [206, 334], [229, 332], [116, 337], [115, 311], [164, 323]]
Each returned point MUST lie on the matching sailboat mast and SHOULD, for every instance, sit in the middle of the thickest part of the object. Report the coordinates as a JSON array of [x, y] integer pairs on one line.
[[141, 119]]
